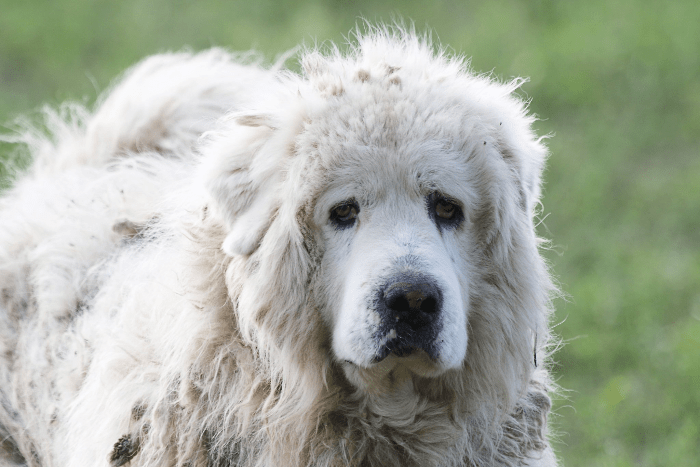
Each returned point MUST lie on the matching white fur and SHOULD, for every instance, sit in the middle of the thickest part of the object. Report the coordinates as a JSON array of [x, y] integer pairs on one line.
[[172, 282]]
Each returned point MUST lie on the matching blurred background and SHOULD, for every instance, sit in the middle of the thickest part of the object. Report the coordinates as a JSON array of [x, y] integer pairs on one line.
[[617, 84]]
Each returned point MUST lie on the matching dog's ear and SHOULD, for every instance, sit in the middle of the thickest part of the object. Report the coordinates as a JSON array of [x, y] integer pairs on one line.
[[243, 166], [528, 156], [522, 149], [262, 188]]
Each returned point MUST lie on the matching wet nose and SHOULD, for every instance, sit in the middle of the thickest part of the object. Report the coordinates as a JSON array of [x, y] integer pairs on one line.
[[409, 307], [414, 301]]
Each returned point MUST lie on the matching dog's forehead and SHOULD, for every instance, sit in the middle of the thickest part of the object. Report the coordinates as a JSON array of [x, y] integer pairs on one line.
[[412, 167], [372, 147], [382, 115]]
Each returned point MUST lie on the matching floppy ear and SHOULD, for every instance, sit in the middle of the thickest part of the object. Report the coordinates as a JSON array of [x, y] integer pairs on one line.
[[262, 187], [530, 155], [523, 150], [242, 169]]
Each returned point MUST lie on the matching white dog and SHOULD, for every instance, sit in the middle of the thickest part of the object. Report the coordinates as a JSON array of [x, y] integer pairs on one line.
[[227, 265]]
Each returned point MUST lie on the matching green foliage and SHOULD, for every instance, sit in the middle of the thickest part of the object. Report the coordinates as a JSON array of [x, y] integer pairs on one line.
[[616, 82]]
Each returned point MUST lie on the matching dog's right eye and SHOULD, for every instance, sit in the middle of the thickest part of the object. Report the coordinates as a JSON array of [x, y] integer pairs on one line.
[[344, 215]]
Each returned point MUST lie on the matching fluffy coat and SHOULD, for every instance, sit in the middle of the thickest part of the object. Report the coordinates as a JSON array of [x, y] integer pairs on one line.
[[171, 291]]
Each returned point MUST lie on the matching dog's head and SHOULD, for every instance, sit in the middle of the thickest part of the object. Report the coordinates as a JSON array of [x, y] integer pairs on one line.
[[379, 212]]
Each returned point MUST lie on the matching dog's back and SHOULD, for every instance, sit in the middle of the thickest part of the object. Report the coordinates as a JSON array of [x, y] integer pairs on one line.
[[95, 181]]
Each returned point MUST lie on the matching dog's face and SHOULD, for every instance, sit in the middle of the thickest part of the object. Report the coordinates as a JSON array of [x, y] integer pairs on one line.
[[395, 228], [396, 221]]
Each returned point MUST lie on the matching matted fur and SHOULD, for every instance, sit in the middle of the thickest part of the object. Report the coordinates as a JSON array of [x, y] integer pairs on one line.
[[173, 295]]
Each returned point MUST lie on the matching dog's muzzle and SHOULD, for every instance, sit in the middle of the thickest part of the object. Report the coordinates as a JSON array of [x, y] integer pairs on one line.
[[409, 306]]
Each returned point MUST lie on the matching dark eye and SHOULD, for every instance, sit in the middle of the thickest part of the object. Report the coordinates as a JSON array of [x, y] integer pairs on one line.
[[444, 211], [344, 214]]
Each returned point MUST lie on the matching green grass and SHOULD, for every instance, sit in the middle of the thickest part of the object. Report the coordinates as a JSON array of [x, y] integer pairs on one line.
[[617, 83]]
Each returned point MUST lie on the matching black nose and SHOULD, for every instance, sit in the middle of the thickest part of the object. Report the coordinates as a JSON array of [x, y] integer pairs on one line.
[[413, 301], [409, 307]]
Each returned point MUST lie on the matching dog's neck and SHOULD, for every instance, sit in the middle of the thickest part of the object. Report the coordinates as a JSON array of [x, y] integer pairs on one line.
[[400, 401]]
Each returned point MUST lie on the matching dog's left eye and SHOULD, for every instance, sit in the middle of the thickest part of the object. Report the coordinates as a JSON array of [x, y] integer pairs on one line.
[[345, 214], [444, 211]]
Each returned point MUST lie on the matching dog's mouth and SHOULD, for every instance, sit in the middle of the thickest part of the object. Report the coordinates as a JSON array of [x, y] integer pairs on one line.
[[395, 354], [397, 348], [402, 340], [399, 351]]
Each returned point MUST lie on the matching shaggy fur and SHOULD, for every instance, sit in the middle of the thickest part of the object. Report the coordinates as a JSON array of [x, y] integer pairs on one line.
[[174, 292]]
